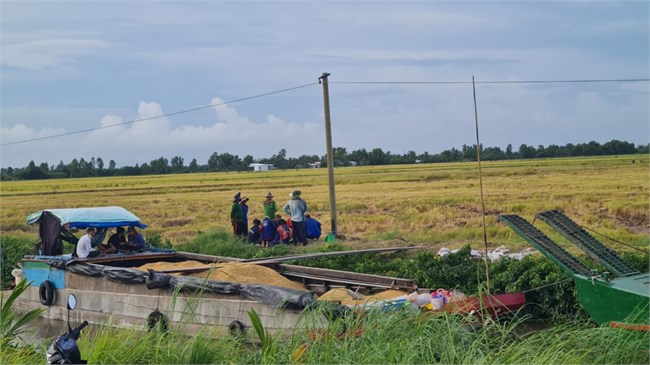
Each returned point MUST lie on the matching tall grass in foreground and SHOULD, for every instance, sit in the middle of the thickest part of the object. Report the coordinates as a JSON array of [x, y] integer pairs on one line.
[[400, 337], [406, 337]]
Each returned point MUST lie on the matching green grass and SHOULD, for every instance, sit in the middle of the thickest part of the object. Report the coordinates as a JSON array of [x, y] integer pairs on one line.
[[400, 337]]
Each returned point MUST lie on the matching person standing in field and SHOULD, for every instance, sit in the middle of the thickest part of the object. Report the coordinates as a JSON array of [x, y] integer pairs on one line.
[[237, 217], [244, 212], [270, 208], [296, 208]]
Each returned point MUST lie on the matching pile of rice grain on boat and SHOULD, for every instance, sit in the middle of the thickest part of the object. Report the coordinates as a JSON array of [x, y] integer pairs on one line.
[[341, 295], [233, 272]]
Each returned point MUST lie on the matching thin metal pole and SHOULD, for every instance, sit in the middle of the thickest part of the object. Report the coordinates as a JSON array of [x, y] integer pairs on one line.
[[480, 178], [328, 143]]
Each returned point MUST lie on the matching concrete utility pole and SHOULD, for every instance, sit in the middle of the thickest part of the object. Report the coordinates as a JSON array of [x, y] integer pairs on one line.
[[328, 143]]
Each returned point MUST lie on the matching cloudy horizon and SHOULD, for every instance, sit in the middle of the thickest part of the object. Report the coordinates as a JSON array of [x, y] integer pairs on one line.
[[71, 66]]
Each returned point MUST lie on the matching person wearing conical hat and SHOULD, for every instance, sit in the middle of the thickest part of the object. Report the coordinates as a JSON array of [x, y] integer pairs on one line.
[[296, 208], [270, 208]]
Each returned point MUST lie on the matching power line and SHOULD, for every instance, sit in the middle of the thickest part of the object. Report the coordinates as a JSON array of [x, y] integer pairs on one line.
[[489, 82], [336, 82], [162, 115]]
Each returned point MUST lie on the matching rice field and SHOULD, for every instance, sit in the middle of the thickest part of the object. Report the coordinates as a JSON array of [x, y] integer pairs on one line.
[[431, 204]]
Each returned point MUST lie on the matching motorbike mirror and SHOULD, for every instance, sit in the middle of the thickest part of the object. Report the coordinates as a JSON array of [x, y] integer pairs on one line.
[[72, 302]]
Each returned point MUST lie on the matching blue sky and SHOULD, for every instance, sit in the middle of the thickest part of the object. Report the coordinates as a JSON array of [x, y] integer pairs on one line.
[[72, 65]]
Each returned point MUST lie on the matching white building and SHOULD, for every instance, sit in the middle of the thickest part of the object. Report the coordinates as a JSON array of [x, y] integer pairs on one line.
[[260, 167]]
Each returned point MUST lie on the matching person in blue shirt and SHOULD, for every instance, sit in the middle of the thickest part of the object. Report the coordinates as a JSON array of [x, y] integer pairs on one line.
[[269, 230], [312, 226], [296, 208], [135, 241]]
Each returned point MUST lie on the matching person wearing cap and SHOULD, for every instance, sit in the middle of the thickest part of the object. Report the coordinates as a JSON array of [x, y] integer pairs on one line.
[[270, 208], [135, 241], [296, 208], [84, 246], [237, 217], [115, 241], [312, 227]]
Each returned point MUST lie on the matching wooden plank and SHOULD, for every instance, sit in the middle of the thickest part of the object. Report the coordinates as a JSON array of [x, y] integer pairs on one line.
[[273, 260], [127, 257], [207, 258], [334, 275], [338, 281]]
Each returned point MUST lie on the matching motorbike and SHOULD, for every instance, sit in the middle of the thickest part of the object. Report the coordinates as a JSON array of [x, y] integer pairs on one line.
[[64, 349]]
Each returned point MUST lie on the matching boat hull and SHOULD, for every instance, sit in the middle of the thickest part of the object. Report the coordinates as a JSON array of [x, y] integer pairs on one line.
[[102, 301], [494, 305], [608, 301]]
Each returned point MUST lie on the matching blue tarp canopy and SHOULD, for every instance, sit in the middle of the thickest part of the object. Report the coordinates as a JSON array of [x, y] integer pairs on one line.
[[100, 217]]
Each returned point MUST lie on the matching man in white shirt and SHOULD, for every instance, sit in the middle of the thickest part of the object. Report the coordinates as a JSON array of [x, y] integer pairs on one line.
[[84, 246]]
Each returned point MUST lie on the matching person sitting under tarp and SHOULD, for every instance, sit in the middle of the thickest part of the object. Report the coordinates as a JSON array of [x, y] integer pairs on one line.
[[115, 242], [135, 240], [84, 246]]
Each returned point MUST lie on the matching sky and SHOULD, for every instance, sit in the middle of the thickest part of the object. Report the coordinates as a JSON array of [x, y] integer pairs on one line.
[[70, 66]]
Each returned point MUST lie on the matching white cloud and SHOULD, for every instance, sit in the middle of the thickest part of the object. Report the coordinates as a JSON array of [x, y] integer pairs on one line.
[[231, 132], [179, 55], [20, 132], [42, 54]]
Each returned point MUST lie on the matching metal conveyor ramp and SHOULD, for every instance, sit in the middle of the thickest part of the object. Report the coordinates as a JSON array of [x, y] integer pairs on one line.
[[586, 242], [545, 245]]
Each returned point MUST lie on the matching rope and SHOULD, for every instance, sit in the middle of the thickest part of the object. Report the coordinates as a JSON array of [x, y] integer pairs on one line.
[[617, 241], [547, 285]]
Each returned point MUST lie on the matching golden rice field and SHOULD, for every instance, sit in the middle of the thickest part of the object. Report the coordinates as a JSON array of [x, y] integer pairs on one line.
[[432, 204]]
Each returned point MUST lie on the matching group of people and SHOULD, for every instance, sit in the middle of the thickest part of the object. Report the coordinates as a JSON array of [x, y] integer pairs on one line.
[[121, 240], [297, 229]]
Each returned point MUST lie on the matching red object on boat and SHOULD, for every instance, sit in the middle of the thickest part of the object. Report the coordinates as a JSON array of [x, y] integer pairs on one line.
[[495, 305], [630, 326]]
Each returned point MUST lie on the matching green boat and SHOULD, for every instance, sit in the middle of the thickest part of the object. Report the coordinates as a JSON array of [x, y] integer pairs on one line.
[[617, 297]]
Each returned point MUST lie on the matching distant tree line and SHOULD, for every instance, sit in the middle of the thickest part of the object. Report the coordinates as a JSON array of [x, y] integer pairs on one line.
[[96, 166]]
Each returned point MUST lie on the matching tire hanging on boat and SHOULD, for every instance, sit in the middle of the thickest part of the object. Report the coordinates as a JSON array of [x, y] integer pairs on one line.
[[236, 328], [46, 293], [157, 320]]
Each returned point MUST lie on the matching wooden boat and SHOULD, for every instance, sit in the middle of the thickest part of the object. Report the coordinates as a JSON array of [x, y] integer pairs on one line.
[[619, 296], [110, 288]]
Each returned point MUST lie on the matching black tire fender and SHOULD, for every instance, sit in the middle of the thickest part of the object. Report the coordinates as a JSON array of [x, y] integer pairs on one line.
[[236, 328], [46, 293], [157, 320]]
